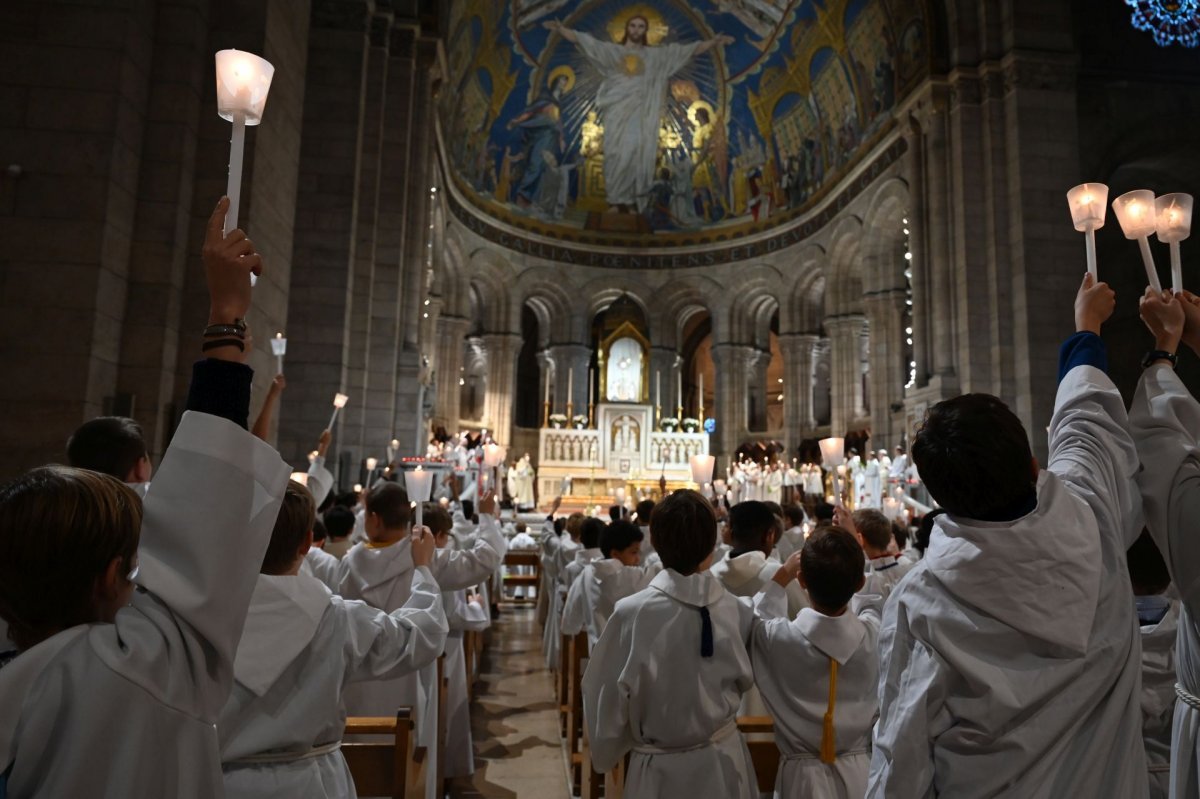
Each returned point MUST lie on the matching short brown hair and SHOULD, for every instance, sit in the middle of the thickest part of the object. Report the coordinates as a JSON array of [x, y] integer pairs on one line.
[[874, 528], [293, 524], [390, 502], [832, 563], [109, 444], [575, 524], [60, 528], [683, 530], [436, 518]]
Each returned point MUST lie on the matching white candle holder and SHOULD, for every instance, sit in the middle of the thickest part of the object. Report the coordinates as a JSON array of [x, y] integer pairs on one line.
[[279, 348], [833, 455], [1136, 215], [339, 402], [418, 482], [243, 81], [702, 468], [1089, 206], [1173, 223]]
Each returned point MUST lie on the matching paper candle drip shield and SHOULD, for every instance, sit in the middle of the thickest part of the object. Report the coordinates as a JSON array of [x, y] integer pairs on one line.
[[1136, 215], [243, 81], [1173, 223], [1089, 205], [702, 468]]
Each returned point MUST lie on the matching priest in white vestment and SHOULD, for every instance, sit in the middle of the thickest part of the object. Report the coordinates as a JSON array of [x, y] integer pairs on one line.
[[1011, 662]]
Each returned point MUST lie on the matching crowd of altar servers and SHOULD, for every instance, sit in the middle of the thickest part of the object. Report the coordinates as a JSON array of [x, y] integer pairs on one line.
[[205, 630]]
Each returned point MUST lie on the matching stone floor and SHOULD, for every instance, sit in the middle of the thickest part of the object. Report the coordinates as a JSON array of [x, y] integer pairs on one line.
[[514, 718]]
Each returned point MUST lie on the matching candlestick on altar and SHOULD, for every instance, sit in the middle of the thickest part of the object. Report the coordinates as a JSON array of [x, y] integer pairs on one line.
[[1088, 203], [591, 376], [418, 482], [339, 402], [279, 347], [700, 399], [243, 81], [657, 389], [833, 455], [570, 390], [1135, 213], [1174, 224], [702, 468], [679, 392]]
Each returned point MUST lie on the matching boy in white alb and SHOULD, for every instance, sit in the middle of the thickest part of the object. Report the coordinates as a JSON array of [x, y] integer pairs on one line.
[[588, 553], [601, 584], [792, 538], [564, 553], [682, 733], [116, 692], [1023, 586], [464, 613], [874, 532], [746, 569], [380, 572], [1165, 420], [282, 726], [823, 721]]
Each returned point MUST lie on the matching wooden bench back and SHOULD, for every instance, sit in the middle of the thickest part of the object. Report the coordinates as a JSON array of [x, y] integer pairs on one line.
[[383, 768]]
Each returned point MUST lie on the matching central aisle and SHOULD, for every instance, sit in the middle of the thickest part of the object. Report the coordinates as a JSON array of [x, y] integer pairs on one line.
[[514, 717]]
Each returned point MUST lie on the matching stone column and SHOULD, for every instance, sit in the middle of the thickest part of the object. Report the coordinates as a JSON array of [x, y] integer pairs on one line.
[[730, 361], [321, 290], [502, 349], [885, 316], [451, 331], [845, 334], [798, 379], [822, 383], [757, 390]]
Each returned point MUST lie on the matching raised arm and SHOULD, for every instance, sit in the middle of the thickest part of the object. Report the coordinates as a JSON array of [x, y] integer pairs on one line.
[[262, 424], [455, 569], [320, 479], [716, 41], [1090, 445], [554, 26], [1165, 418]]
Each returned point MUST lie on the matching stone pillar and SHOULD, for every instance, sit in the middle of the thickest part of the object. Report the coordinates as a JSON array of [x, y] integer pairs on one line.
[[845, 335], [72, 118], [161, 246], [730, 361], [798, 379], [757, 391], [451, 331], [822, 383], [885, 316], [321, 292], [502, 349], [350, 439]]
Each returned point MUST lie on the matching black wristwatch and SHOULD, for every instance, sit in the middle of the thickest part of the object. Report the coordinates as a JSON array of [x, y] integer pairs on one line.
[[1159, 355]]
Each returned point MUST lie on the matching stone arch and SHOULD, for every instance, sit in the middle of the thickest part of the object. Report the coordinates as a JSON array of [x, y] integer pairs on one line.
[[677, 302], [806, 297], [491, 276], [542, 290], [845, 284], [882, 251]]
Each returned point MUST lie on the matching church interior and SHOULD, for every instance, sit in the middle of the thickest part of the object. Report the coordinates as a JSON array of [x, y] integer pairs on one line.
[[581, 255]]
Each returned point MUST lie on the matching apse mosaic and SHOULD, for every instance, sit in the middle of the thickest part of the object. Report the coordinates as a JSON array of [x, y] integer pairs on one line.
[[668, 122]]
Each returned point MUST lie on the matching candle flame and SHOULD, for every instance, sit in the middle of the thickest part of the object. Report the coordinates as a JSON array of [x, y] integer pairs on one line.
[[278, 335], [1135, 209], [1086, 199]]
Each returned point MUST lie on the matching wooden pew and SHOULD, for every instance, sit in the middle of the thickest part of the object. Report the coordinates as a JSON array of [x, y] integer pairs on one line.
[[384, 768], [577, 649], [764, 754], [562, 679], [522, 557]]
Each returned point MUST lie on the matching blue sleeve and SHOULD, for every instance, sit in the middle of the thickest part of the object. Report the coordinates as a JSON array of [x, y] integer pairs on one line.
[[1082, 349], [221, 388]]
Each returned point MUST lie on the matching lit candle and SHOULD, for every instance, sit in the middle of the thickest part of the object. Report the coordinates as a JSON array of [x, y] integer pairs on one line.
[[591, 384], [243, 81], [702, 468], [1135, 213], [418, 483], [339, 402], [700, 403], [679, 388], [300, 477], [891, 508], [1174, 224], [372, 463], [657, 389], [279, 347], [833, 455], [1088, 203], [358, 488], [547, 398], [570, 385]]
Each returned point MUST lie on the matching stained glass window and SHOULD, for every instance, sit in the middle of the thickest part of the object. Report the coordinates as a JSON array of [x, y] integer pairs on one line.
[[1168, 21]]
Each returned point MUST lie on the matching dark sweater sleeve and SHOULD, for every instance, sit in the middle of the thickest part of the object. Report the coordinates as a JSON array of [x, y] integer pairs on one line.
[[1082, 349], [221, 388]]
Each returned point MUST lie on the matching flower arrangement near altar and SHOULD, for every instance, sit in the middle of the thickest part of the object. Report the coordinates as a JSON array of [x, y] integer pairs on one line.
[[558, 421], [580, 421], [691, 425], [669, 424]]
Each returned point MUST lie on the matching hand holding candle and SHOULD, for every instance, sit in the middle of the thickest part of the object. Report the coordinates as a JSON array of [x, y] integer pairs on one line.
[[1174, 224], [1135, 213], [1088, 202], [279, 347], [418, 483]]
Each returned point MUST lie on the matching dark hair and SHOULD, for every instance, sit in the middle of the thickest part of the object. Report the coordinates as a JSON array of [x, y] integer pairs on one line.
[[292, 526], [683, 530], [974, 457], [1147, 569], [319, 531], [749, 523], [436, 518], [468, 508], [390, 502], [874, 527], [832, 563], [794, 514], [560, 524], [574, 524], [774, 508], [618, 536], [590, 532], [925, 530], [339, 521], [615, 513], [625, 32], [522, 527], [823, 512], [644, 510], [60, 528], [109, 444], [900, 533]]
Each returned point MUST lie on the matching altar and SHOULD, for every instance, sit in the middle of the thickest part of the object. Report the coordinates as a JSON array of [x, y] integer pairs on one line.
[[622, 451]]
